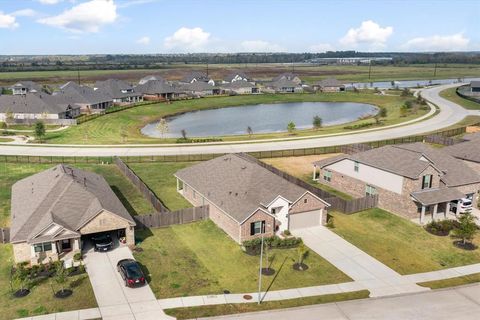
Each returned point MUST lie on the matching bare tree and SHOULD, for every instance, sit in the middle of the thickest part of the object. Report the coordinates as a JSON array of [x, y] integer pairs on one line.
[[162, 127], [184, 134], [249, 131]]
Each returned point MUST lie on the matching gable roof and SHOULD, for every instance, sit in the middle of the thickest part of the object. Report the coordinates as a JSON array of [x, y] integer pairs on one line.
[[35, 103], [63, 195], [285, 76], [330, 82], [197, 75], [114, 89], [283, 83], [30, 85], [238, 85], [238, 186], [149, 78], [76, 94], [469, 150], [155, 87], [235, 73]]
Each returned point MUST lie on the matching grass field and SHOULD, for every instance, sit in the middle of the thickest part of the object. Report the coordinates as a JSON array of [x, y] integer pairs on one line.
[[159, 178], [400, 244], [108, 129], [452, 282], [5, 139], [127, 193], [217, 310], [451, 94], [309, 73], [40, 300], [199, 258]]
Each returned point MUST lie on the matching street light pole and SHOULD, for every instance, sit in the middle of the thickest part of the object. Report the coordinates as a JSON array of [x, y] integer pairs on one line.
[[260, 274]]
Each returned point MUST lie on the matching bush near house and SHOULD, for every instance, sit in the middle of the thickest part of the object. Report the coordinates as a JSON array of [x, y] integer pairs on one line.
[[253, 246]]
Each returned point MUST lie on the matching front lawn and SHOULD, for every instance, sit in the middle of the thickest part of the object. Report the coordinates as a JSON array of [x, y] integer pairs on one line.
[[40, 300], [451, 94], [400, 244], [199, 259], [159, 178], [451, 282]]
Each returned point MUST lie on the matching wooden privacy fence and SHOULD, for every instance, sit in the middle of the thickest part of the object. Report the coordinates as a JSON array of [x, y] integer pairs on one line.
[[337, 203], [144, 189], [4, 235], [164, 219], [438, 139]]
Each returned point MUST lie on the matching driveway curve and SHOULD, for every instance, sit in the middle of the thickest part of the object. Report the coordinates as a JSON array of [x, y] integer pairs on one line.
[[450, 113]]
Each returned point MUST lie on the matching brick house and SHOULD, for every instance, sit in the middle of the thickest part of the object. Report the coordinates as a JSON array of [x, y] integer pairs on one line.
[[329, 85], [247, 200], [411, 180], [54, 209]]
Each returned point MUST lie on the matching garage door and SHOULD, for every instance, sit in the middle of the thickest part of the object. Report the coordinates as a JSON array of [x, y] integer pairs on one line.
[[305, 219]]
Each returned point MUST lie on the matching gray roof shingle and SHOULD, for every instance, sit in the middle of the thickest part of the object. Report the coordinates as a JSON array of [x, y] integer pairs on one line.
[[116, 89], [434, 196], [469, 150], [155, 87], [36, 103]]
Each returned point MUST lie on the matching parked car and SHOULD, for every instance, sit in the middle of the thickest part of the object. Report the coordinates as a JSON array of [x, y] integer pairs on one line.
[[102, 242], [461, 206], [131, 273]]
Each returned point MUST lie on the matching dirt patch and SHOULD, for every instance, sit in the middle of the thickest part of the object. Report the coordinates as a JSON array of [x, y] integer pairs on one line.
[[298, 166]]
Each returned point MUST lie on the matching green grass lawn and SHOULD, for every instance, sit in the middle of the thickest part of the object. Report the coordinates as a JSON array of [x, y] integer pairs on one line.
[[223, 309], [199, 258], [452, 282], [40, 300], [400, 244], [5, 139], [451, 94], [127, 193], [107, 129], [159, 178]]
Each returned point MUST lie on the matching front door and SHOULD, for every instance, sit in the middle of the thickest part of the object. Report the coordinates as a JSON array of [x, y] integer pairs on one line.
[[64, 245]]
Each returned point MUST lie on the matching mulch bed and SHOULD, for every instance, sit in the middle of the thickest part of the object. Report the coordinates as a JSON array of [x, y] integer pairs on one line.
[[75, 272], [62, 294], [21, 293], [268, 271], [435, 232], [300, 267], [467, 246]]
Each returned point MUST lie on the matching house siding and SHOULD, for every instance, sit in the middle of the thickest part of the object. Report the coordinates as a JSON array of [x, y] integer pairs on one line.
[[312, 204], [106, 221], [22, 252]]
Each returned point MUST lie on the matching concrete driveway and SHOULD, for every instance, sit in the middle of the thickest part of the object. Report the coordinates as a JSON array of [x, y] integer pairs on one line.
[[114, 299]]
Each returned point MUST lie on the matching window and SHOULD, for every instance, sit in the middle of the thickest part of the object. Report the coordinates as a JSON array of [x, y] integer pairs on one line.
[[371, 191], [355, 166], [427, 181], [274, 210], [305, 200], [42, 247], [257, 227], [327, 175]]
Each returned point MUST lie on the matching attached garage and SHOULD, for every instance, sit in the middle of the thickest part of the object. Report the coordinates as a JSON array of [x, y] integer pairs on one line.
[[305, 219]]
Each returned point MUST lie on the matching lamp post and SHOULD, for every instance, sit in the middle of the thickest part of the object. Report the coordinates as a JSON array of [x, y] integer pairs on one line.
[[263, 227]]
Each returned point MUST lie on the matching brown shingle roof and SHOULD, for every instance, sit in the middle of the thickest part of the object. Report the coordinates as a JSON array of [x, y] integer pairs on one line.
[[434, 196], [469, 150]]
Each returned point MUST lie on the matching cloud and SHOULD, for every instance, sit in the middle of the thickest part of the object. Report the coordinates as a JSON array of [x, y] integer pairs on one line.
[[369, 33], [144, 40], [260, 46], [131, 3], [84, 17], [321, 47], [8, 21], [454, 42], [49, 2], [24, 13], [188, 39]]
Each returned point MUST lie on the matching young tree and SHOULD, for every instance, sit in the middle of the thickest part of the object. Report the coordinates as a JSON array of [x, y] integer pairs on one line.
[[317, 122], [291, 127], [249, 131], [382, 113], [184, 134], [9, 116], [19, 278], [39, 130], [61, 277], [467, 228], [162, 127], [124, 135], [3, 126], [302, 252]]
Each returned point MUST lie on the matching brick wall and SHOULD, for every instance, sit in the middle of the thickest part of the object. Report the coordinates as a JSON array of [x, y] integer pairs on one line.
[[21, 252], [106, 221], [312, 203], [259, 215]]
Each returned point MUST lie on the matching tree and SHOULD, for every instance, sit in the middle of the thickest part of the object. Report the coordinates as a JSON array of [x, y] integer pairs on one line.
[[382, 113], [3, 126], [466, 229], [39, 130], [403, 111], [162, 127], [302, 252], [317, 122], [291, 127], [249, 131], [184, 134], [19, 278], [61, 276], [124, 135], [406, 92], [9, 116]]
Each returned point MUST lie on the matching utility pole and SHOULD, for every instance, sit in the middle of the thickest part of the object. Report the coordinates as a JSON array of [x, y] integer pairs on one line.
[[293, 66], [260, 274], [435, 70], [207, 68], [370, 69], [78, 75]]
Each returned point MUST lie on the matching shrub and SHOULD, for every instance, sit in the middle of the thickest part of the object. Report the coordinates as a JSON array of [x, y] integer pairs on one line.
[[330, 222], [440, 228], [287, 232], [77, 256], [254, 245]]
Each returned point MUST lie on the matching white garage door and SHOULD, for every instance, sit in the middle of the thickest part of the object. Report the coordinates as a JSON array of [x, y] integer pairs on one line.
[[305, 219]]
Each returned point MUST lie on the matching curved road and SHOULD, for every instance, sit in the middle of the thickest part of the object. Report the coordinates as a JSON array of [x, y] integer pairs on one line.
[[450, 113]]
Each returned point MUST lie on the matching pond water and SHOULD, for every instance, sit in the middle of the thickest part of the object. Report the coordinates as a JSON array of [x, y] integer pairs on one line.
[[407, 83], [262, 118]]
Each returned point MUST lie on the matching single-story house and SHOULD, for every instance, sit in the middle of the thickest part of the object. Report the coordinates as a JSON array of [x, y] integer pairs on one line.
[[411, 180], [89, 100], [150, 78], [25, 87], [468, 151], [247, 200], [236, 76], [157, 90], [475, 86], [200, 89], [35, 106], [54, 210], [239, 87], [329, 85], [197, 76], [283, 86], [119, 91], [288, 76]]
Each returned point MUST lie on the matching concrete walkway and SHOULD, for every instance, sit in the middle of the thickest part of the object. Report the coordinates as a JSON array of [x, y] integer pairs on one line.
[[373, 275]]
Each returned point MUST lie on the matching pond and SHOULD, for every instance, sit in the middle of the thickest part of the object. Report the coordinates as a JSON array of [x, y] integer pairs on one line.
[[262, 118]]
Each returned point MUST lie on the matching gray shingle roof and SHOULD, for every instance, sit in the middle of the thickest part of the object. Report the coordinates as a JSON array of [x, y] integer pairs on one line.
[[114, 89], [64, 195], [30, 85], [149, 78], [36, 103], [434, 196], [74, 93], [282, 83], [238, 186], [155, 87], [233, 74], [198, 75], [469, 150], [238, 85], [475, 84], [331, 82], [285, 76]]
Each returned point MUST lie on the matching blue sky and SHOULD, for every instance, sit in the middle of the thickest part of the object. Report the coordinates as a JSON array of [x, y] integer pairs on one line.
[[159, 26]]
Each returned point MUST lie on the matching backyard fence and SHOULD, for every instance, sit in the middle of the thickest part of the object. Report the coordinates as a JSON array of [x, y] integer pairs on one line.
[[354, 205], [438, 139], [144, 189], [4, 235], [355, 148], [164, 219]]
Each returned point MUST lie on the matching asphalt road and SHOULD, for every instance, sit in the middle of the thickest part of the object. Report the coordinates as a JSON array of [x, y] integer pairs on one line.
[[461, 303], [450, 114]]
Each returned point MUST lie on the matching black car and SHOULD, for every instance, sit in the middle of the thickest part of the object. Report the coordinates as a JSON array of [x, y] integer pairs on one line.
[[131, 273], [102, 242]]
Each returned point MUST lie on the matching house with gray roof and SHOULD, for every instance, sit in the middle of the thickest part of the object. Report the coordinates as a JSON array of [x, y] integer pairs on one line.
[[247, 200], [329, 85], [157, 90], [25, 87], [235, 76], [119, 91], [412, 180], [199, 89], [475, 86], [288, 76], [149, 78], [239, 87], [53, 211], [197, 76], [88, 99], [283, 86]]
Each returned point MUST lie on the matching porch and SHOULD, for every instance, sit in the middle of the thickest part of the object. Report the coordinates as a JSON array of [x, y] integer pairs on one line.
[[63, 249], [434, 204]]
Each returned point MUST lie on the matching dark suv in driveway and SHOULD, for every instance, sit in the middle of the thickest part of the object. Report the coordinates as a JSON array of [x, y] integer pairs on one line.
[[131, 273], [102, 242]]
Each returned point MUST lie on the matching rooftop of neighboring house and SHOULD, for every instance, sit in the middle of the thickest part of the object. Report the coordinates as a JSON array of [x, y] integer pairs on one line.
[[155, 87], [330, 82], [115, 88], [77, 94], [30, 85], [64, 196], [475, 83], [286, 75], [237, 185], [282, 83], [236, 73], [196, 75], [197, 86], [238, 85], [411, 160], [468, 150], [34, 103]]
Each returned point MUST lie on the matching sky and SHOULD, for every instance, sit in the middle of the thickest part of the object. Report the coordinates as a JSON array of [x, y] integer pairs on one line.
[[182, 26]]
